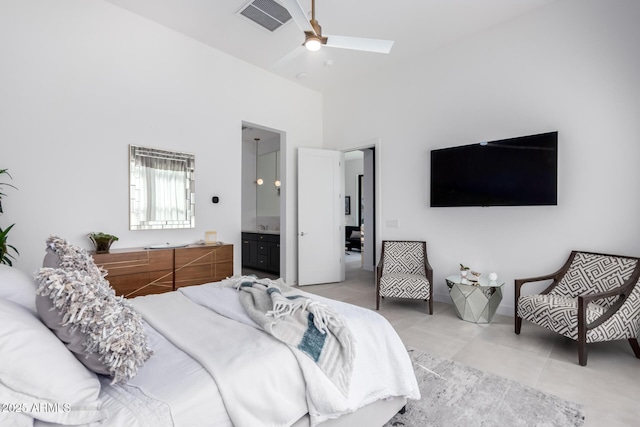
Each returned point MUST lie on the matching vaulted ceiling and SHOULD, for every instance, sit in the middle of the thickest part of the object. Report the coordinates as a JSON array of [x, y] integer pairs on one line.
[[417, 26]]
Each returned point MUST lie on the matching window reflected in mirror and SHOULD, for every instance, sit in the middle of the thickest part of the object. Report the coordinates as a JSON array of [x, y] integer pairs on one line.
[[161, 189]]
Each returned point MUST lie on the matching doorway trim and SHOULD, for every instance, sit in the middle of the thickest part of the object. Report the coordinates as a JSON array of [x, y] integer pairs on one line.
[[359, 199]]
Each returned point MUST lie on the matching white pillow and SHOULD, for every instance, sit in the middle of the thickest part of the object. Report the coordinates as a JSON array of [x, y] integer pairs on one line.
[[40, 374], [18, 286]]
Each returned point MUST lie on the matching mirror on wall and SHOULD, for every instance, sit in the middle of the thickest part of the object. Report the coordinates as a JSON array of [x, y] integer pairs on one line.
[[267, 194], [161, 189]]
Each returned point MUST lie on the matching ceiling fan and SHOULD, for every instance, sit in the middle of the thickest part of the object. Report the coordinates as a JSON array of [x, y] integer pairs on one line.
[[314, 39]]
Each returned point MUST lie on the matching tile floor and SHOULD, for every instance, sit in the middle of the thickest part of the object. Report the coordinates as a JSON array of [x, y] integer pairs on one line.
[[609, 386]]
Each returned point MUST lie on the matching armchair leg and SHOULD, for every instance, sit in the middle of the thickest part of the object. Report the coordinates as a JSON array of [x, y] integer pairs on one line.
[[582, 331], [635, 346], [378, 302], [430, 305], [518, 324], [582, 353]]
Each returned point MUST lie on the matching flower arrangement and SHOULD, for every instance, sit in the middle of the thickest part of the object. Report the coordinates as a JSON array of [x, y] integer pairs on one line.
[[102, 241]]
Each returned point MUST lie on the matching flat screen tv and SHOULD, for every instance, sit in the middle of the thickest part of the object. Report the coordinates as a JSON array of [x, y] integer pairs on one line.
[[519, 171]]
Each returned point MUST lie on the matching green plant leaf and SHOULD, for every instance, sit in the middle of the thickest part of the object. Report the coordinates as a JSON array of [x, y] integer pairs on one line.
[[5, 256]]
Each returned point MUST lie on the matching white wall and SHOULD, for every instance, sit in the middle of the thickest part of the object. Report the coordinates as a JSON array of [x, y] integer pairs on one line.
[[573, 67], [82, 79]]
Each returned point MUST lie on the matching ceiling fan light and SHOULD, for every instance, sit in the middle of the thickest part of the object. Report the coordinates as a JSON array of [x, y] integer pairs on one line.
[[313, 44]]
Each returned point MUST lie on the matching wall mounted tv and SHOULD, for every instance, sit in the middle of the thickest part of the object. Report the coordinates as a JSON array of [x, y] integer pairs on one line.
[[519, 171]]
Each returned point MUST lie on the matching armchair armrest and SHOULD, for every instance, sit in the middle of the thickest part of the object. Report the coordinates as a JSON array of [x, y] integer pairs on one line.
[[428, 271], [519, 283], [601, 295], [583, 302], [378, 272], [556, 276], [622, 291]]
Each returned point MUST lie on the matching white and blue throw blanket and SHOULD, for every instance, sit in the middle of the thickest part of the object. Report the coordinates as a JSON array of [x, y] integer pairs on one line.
[[302, 323]]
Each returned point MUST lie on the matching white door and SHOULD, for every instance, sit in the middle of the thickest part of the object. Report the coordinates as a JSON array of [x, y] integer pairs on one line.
[[320, 216]]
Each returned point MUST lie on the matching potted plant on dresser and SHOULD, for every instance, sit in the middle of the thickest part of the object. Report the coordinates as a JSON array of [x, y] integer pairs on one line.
[[102, 241], [5, 248]]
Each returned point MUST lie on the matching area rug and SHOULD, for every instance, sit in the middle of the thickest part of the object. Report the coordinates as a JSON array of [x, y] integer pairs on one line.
[[455, 395]]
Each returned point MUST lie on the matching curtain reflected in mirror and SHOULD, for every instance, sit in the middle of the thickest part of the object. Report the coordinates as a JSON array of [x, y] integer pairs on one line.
[[161, 189]]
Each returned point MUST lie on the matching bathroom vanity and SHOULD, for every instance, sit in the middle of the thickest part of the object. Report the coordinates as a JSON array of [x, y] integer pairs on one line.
[[261, 251]]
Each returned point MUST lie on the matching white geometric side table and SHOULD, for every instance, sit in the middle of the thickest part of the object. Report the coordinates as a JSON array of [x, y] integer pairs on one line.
[[475, 301]]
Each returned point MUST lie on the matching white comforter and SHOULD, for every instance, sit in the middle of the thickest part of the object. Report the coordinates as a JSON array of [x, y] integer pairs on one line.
[[264, 382], [382, 367]]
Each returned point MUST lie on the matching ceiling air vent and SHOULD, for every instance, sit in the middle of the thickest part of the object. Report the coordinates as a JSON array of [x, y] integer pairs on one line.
[[269, 14]]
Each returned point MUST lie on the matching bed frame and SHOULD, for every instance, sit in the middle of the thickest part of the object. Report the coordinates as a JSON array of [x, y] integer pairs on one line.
[[374, 414]]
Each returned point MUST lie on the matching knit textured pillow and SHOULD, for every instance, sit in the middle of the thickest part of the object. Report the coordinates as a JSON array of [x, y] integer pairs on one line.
[[77, 303]]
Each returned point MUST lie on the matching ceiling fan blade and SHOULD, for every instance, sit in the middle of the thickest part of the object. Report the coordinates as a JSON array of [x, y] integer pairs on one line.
[[298, 14], [357, 43], [288, 58]]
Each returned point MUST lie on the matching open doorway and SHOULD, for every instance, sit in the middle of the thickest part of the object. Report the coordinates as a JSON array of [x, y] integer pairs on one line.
[[262, 201], [322, 220], [359, 212]]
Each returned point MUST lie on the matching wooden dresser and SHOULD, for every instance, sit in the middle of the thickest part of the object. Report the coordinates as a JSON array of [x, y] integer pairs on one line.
[[138, 271]]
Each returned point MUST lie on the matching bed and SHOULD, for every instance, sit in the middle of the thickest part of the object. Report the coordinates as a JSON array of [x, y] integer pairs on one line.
[[212, 365]]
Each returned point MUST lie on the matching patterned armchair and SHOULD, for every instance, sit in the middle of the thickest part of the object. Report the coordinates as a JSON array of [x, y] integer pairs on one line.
[[404, 272], [593, 298]]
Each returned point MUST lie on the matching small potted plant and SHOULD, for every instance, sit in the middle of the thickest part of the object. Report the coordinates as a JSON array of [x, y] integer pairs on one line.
[[102, 241], [463, 270]]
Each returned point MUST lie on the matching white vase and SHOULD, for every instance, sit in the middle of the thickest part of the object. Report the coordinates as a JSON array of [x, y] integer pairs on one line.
[[493, 277]]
